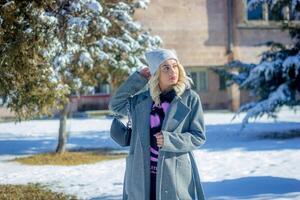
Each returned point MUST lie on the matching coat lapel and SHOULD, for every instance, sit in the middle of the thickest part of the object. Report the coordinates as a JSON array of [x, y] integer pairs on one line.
[[178, 111], [143, 107], [176, 114]]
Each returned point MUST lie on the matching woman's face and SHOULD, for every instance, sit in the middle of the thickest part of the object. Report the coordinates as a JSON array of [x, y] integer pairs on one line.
[[168, 74]]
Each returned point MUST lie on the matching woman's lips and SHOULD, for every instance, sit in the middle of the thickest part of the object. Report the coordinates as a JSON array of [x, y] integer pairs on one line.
[[173, 78]]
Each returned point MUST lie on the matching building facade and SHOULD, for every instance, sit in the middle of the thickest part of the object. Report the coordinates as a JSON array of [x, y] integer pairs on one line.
[[210, 33], [205, 34]]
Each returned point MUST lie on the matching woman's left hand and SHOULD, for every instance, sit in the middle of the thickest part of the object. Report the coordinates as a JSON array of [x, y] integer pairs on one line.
[[159, 139]]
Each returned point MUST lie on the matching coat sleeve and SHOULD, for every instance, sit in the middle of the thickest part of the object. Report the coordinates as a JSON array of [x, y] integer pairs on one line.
[[119, 100], [193, 138]]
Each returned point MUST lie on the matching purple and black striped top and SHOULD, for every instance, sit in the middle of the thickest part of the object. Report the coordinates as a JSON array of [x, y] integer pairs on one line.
[[157, 116]]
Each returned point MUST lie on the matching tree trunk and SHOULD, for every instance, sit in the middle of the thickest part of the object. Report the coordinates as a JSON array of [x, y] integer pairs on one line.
[[62, 137]]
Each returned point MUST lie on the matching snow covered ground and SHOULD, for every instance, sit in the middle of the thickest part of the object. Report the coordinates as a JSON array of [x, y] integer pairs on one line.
[[233, 164]]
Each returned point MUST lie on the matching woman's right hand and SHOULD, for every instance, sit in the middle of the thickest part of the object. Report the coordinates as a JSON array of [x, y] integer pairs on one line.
[[145, 72]]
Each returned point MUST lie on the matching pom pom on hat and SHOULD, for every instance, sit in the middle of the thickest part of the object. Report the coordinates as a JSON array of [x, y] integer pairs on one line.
[[156, 57]]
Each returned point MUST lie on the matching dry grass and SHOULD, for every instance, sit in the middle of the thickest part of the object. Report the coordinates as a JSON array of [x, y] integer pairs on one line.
[[69, 158], [31, 192]]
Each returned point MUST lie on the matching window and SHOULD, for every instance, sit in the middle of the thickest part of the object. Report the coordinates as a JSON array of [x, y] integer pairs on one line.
[[255, 13], [294, 15], [263, 12], [222, 82], [200, 79], [103, 88]]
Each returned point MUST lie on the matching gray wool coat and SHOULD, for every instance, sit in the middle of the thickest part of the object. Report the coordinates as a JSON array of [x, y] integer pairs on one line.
[[183, 131]]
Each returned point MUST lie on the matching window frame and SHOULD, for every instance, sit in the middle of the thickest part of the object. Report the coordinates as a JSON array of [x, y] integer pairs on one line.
[[197, 84], [265, 22], [222, 82]]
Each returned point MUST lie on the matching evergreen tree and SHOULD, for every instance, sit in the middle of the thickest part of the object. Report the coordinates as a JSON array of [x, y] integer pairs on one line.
[[51, 50], [275, 80]]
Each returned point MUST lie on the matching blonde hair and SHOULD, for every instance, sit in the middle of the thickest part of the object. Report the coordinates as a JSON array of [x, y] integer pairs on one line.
[[183, 83]]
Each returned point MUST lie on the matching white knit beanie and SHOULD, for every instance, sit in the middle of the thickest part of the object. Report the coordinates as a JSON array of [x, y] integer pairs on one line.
[[156, 57]]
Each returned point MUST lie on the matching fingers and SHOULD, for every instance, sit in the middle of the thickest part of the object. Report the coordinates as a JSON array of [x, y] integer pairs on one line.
[[145, 72], [158, 135], [159, 139], [145, 69], [160, 143]]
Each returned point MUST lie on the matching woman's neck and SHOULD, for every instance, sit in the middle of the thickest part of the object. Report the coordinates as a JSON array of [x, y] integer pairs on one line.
[[165, 90]]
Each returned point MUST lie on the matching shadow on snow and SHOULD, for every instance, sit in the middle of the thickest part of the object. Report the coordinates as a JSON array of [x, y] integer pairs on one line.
[[219, 138], [252, 187]]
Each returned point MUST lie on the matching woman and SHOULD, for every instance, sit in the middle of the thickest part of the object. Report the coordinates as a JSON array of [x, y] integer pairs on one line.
[[167, 124]]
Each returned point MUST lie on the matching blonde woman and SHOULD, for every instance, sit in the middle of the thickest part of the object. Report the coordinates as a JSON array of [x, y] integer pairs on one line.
[[167, 125]]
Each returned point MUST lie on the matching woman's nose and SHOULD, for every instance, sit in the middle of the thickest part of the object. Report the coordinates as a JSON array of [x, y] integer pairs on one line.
[[172, 70]]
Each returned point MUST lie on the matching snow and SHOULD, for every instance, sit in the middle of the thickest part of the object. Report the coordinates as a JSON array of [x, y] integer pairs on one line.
[[103, 24], [27, 31], [103, 56], [294, 4], [94, 180], [233, 164], [83, 22], [63, 88], [133, 26], [135, 61], [91, 5], [121, 15], [122, 45], [80, 23], [47, 18], [266, 68], [8, 5], [85, 59], [75, 6], [122, 6], [95, 6], [282, 95], [62, 61], [291, 62], [142, 4]]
